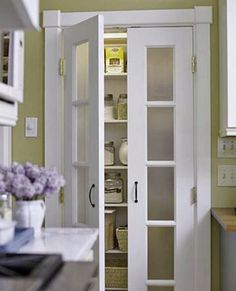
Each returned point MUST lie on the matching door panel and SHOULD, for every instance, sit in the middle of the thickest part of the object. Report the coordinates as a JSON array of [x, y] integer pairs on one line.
[[160, 134], [84, 131]]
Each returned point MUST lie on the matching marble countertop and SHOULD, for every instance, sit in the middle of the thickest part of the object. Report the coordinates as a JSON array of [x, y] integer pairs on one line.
[[74, 244]]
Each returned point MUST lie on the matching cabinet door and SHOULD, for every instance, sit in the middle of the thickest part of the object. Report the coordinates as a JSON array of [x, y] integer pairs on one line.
[[160, 139], [84, 127]]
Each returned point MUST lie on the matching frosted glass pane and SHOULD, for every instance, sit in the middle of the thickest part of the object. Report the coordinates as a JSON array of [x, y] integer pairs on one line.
[[160, 134], [159, 74], [82, 133], [160, 288], [160, 194], [82, 71], [82, 199], [160, 253]]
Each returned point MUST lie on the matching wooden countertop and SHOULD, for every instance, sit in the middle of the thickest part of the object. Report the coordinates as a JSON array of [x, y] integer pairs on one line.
[[225, 217]]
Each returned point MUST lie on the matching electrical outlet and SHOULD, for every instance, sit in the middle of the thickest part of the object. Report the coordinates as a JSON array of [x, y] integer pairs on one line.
[[226, 147], [227, 175]]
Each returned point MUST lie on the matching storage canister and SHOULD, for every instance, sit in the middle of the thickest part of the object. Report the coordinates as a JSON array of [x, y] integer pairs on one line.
[[109, 153], [122, 107], [109, 107], [113, 188], [123, 151]]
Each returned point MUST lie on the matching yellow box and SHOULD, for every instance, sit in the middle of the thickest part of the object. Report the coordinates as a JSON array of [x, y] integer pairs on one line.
[[114, 59]]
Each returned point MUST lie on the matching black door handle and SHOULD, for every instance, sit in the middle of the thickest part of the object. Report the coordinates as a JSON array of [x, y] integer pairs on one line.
[[90, 194], [136, 192]]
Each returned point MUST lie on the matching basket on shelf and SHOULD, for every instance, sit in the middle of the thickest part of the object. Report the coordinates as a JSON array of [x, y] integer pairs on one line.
[[122, 237], [116, 273]]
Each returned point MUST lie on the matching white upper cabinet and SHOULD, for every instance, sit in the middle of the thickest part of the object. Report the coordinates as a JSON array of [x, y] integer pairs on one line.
[[19, 14], [227, 28], [15, 16]]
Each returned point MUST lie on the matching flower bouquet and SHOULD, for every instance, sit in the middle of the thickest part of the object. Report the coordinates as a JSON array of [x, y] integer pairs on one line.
[[29, 184]]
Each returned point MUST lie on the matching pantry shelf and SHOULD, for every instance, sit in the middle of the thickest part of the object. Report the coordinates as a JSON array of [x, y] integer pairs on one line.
[[118, 289], [116, 167], [116, 204], [115, 121], [115, 251], [115, 75]]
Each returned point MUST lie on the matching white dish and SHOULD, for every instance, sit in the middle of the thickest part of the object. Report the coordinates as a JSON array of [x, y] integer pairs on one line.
[[7, 230]]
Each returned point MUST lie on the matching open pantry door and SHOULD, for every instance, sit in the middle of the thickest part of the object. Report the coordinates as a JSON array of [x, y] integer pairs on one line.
[[84, 129]]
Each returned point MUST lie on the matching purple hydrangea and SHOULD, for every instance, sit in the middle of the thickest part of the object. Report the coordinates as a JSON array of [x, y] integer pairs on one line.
[[29, 182]]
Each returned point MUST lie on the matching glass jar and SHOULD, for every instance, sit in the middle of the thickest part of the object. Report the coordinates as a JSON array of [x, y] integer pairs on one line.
[[5, 209], [122, 107], [113, 188], [109, 107], [109, 153], [123, 151]]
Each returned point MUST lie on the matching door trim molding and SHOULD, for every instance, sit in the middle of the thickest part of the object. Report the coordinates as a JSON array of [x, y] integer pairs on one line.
[[5, 145], [200, 19]]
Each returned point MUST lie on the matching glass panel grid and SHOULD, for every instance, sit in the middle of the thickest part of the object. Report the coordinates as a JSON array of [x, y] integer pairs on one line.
[[160, 134], [82, 71], [160, 73], [160, 254]]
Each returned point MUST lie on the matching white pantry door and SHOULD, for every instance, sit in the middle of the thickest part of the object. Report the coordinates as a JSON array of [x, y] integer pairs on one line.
[[84, 128], [161, 178]]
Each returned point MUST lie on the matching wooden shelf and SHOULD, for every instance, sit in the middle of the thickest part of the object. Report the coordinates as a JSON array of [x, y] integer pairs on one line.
[[115, 121], [116, 167], [115, 251], [118, 289], [116, 204], [116, 75], [225, 217]]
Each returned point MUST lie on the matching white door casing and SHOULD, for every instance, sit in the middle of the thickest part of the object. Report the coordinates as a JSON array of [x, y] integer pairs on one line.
[[84, 138], [200, 19], [5, 145]]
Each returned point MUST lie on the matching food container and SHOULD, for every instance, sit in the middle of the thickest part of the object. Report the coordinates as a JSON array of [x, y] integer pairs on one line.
[[109, 107], [7, 230], [109, 153], [114, 60], [113, 188], [122, 107]]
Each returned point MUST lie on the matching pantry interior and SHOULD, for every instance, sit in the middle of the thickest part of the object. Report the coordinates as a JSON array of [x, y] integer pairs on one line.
[[115, 156]]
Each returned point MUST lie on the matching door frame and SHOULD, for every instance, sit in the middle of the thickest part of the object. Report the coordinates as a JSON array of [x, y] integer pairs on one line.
[[200, 19], [5, 145]]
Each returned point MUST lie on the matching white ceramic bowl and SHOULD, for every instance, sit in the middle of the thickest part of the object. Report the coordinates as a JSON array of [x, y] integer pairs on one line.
[[7, 230]]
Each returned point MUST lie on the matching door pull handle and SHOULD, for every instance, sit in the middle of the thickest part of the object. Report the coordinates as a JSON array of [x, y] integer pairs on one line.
[[136, 192], [90, 195]]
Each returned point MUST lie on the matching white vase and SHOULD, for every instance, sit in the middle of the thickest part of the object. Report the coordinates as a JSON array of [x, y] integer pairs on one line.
[[29, 214], [123, 151]]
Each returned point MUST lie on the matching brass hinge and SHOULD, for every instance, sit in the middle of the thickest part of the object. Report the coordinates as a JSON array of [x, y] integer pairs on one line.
[[62, 67], [62, 196], [194, 64], [194, 195]]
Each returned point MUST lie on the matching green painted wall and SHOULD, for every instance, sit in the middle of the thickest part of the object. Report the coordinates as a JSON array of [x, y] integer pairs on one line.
[[33, 149]]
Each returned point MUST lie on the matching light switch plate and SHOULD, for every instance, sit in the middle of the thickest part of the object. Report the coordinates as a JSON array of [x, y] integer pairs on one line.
[[31, 126], [226, 147], [227, 175]]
